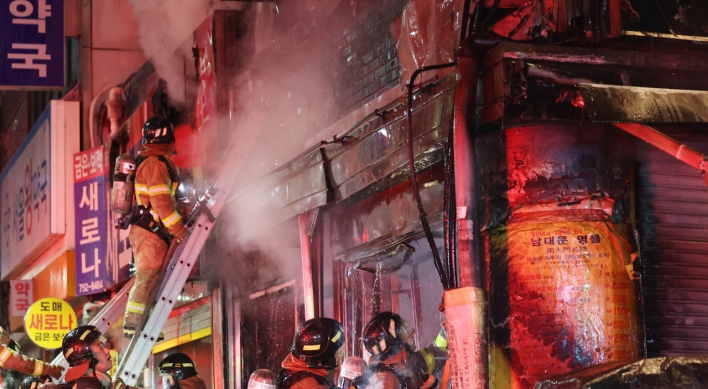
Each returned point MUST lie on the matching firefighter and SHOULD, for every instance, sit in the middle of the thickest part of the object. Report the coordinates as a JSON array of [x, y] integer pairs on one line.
[[262, 379], [430, 359], [313, 356], [391, 366], [31, 382], [157, 222], [11, 359], [89, 359], [435, 355], [179, 372]]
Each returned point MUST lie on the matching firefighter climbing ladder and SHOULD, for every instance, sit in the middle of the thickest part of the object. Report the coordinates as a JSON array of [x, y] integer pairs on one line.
[[175, 275]]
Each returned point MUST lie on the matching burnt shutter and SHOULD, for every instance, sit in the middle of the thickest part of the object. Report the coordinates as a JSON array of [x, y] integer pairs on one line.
[[672, 216]]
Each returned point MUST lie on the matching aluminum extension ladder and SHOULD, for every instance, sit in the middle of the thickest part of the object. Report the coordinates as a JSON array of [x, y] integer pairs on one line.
[[174, 279]]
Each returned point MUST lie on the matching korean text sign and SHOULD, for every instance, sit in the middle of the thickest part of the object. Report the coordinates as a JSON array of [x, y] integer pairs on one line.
[[25, 197], [21, 297], [91, 221], [32, 44], [48, 321]]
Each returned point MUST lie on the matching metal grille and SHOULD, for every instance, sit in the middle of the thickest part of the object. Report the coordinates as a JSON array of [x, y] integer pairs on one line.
[[673, 221]]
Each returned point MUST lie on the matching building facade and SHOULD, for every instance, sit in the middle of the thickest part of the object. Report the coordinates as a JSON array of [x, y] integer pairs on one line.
[[536, 203]]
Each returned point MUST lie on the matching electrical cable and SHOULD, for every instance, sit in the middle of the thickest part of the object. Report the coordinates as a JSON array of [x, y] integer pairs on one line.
[[414, 178]]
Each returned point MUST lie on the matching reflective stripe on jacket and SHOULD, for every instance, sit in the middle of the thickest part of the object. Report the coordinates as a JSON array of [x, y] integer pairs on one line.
[[11, 360], [154, 189]]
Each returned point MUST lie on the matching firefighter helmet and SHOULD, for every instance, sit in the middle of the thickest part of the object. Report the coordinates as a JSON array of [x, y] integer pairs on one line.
[[76, 345], [263, 379], [178, 365], [316, 342], [352, 367], [31, 382], [382, 336], [158, 130]]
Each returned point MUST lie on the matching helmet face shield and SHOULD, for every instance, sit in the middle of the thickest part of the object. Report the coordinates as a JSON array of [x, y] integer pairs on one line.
[[169, 382]]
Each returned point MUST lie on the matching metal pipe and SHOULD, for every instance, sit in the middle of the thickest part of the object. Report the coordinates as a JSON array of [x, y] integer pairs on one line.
[[316, 250], [465, 20], [417, 304], [307, 281], [218, 327], [667, 144], [465, 166], [414, 179]]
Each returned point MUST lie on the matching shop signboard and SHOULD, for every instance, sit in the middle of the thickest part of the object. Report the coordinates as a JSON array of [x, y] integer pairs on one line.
[[33, 190], [91, 228], [21, 297], [32, 44], [48, 321]]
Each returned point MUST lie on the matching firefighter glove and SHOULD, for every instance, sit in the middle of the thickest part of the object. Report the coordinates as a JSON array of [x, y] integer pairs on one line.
[[118, 384], [180, 232], [54, 370]]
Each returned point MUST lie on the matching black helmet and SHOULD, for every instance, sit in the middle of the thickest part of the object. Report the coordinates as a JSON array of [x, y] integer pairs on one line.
[[76, 345], [178, 365], [382, 337], [31, 382], [317, 341], [158, 130]]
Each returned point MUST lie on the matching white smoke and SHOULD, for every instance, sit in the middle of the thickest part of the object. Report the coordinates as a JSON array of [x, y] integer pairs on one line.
[[163, 27], [275, 109]]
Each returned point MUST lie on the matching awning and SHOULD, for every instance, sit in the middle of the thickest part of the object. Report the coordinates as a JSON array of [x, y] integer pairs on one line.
[[611, 103]]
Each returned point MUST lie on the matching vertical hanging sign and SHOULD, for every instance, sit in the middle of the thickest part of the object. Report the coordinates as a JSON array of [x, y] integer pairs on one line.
[[32, 44], [90, 211]]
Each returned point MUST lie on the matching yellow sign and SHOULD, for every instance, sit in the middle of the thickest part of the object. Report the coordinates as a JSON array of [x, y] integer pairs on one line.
[[47, 322]]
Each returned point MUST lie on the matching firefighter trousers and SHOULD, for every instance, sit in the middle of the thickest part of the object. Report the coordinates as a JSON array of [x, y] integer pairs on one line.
[[148, 252]]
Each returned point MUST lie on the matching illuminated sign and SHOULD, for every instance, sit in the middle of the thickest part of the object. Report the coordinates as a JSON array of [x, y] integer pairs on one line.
[[32, 44], [21, 297], [48, 321]]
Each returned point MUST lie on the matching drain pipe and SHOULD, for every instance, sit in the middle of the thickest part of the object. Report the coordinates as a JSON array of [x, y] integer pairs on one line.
[[465, 307], [468, 263]]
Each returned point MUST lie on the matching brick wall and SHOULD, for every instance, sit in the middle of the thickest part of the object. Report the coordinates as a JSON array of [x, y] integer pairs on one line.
[[366, 63]]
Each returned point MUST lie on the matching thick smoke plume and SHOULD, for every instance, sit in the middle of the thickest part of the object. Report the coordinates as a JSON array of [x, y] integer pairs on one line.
[[164, 25], [278, 106]]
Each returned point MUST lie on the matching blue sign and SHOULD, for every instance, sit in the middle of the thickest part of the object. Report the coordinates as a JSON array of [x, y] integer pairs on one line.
[[90, 222], [32, 44]]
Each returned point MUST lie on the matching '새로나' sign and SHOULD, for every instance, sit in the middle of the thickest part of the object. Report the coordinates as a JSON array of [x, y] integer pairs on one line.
[[47, 322]]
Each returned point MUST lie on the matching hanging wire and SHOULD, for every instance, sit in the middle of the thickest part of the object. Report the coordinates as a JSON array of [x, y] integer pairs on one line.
[[414, 178]]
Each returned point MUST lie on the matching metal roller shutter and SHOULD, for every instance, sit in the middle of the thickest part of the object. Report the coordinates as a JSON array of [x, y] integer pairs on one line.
[[673, 223]]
